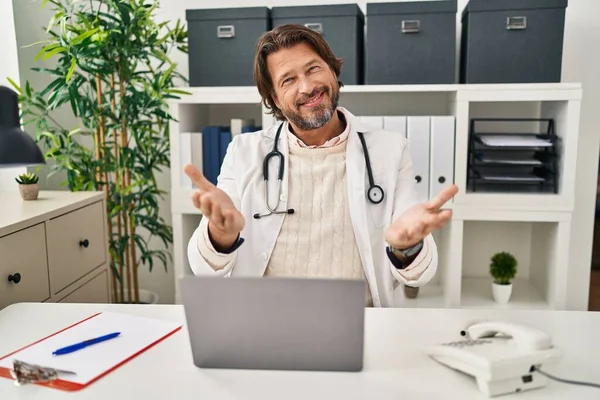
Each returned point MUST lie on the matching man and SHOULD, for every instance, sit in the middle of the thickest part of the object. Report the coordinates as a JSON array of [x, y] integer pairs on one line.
[[329, 220]]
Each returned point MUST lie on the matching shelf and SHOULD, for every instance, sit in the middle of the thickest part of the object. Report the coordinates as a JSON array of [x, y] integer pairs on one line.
[[477, 293], [469, 213], [430, 296], [466, 92], [540, 249], [219, 95]]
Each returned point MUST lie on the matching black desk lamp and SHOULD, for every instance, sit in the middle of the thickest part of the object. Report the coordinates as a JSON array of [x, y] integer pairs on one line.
[[17, 148]]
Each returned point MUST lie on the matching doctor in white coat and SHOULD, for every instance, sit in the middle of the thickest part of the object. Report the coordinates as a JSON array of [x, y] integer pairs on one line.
[[335, 200]]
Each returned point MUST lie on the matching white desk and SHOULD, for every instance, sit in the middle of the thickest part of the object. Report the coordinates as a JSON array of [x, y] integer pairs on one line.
[[395, 369]]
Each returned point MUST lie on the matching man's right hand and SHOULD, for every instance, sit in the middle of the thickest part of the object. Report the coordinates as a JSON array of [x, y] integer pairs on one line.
[[225, 221]]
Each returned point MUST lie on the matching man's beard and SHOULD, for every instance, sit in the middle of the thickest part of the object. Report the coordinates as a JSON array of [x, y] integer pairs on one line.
[[319, 115]]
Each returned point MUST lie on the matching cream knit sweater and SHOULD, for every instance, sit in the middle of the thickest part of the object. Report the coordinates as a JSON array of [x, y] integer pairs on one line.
[[317, 241]]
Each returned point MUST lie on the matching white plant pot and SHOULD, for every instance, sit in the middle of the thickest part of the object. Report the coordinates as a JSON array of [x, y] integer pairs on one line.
[[501, 292], [148, 297]]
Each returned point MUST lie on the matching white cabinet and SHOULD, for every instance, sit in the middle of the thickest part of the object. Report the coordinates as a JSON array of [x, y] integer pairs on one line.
[[54, 248], [535, 227]]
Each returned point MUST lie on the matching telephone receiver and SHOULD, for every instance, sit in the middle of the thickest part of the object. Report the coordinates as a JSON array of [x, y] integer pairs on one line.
[[523, 336], [501, 356]]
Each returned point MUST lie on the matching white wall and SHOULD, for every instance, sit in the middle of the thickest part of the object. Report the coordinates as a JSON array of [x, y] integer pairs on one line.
[[9, 68], [581, 63]]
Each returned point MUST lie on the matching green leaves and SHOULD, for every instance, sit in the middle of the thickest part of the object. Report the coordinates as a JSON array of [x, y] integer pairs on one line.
[[503, 268], [116, 40]]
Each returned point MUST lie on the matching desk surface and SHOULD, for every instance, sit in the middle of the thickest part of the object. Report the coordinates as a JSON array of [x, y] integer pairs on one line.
[[394, 369]]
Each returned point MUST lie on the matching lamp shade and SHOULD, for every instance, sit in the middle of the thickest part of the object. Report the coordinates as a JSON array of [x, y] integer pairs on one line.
[[17, 148]]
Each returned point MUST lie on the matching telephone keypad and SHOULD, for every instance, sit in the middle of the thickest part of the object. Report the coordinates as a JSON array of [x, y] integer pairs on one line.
[[467, 343]]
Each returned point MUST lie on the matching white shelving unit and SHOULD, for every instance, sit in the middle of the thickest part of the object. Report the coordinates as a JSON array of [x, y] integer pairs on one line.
[[535, 227]]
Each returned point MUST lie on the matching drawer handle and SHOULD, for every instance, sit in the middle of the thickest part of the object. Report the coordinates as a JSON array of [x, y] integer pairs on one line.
[[15, 278], [84, 243]]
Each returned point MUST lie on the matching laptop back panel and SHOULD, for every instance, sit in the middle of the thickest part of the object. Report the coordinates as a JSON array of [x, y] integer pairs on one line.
[[275, 323]]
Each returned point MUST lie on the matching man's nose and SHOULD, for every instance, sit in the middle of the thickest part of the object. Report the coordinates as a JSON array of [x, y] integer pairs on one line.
[[306, 86]]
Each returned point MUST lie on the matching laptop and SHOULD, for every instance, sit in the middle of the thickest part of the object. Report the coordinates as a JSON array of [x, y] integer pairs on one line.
[[275, 323]]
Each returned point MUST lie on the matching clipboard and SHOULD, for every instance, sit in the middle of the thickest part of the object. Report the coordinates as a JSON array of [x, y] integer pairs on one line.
[[138, 334]]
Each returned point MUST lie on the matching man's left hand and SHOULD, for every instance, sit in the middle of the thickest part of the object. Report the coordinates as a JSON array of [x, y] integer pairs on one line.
[[420, 220]]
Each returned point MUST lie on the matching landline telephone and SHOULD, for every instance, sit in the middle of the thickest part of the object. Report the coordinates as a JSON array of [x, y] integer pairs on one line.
[[502, 356]]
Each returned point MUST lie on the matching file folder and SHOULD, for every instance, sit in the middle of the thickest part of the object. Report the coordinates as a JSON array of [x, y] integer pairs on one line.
[[418, 137], [138, 334], [396, 124], [442, 153]]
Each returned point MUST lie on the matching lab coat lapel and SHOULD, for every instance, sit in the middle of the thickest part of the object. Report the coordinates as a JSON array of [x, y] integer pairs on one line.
[[357, 199]]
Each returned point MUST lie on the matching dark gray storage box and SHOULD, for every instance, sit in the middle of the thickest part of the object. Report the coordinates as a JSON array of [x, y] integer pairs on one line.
[[512, 41], [342, 27], [411, 42], [222, 43]]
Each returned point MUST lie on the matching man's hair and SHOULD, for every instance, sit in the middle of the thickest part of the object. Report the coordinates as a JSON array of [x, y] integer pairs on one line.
[[284, 37]]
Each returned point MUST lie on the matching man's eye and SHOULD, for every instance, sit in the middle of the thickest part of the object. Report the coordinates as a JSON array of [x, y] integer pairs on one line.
[[286, 81]]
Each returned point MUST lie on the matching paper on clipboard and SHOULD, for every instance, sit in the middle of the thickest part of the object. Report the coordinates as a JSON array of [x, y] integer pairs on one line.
[[90, 363]]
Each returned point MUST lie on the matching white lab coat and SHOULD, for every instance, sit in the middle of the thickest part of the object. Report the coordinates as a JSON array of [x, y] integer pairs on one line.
[[242, 179]]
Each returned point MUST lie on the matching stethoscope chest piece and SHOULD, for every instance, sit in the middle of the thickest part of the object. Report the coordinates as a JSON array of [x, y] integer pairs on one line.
[[375, 194]]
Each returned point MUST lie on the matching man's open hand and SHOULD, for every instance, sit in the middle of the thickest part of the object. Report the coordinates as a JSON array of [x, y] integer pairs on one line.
[[420, 220], [225, 221]]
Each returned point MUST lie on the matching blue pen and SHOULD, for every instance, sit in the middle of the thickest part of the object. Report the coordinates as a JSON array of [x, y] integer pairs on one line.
[[84, 344]]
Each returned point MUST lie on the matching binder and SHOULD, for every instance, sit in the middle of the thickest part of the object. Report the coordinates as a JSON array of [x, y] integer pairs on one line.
[[241, 125], [138, 334], [371, 122], [417, 132], [223, 145], [185, 157], [211, 139], [396, 124], [442, 153]]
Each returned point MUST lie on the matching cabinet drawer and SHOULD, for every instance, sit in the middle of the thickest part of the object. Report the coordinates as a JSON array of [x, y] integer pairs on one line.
[[77, 244], [23, 261], [93, 291]]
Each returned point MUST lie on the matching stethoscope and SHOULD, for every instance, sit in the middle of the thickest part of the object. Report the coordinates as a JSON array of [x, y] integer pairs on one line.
[[375, 192]]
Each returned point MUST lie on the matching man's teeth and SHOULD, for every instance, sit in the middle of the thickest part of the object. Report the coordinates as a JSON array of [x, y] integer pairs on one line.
[[313, 99]]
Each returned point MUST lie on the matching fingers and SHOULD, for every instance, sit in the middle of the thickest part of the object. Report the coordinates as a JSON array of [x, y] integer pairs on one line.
[[442, 198], [222, 216], [197, 178]]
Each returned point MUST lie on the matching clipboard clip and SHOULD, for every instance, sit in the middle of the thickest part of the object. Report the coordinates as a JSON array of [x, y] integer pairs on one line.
[[24, 373]]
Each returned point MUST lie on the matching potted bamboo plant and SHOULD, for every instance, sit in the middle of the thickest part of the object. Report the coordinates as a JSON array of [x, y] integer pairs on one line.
[[114, 73], [29, 186], [503, 268]]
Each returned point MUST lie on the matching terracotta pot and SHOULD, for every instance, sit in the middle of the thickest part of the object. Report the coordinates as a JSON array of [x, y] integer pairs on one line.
[[411, 292], [29, 192]]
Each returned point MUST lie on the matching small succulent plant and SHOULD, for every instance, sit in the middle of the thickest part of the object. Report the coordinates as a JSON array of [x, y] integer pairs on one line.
[[28, 178]]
